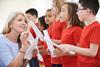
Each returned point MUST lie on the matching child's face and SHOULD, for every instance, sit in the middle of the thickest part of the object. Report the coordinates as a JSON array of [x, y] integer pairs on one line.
[[49, 18], [64, 13], [41, 27], [81, 12], [30, 17], [55, 10]]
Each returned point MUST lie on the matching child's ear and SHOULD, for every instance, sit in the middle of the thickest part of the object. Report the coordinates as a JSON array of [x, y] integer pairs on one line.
[[89, 11]]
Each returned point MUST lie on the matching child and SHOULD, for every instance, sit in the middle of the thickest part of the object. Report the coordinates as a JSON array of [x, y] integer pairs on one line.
[[89, 46], [71, 33], [32, 15]]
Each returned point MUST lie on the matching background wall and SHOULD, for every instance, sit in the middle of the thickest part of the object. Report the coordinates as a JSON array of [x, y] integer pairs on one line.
[[7, 6]]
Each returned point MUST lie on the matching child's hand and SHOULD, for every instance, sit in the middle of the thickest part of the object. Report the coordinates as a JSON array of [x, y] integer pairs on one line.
[[64, 47]]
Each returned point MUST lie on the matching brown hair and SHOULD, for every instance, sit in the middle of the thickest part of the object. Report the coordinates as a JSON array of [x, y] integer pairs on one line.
[[73, 17]]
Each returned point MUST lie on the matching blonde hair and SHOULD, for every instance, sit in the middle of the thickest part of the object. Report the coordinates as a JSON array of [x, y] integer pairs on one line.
[[58, 3], [10, 20]]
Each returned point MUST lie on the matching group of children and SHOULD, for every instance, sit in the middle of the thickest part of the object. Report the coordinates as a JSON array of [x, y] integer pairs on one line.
[[78, 44]]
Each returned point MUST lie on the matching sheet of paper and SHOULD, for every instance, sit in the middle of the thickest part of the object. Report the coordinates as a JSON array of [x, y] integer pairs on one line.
[[29, 51], [36, 30], [46, 34], [50, 46], [30, 38]]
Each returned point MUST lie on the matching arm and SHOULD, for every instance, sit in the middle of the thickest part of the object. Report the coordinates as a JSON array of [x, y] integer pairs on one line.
[[91, 52], [18, 60], [56, 41]]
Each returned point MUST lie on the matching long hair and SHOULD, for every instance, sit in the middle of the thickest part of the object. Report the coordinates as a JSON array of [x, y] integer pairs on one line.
[[58, 3], [10, 20], [73, 17]]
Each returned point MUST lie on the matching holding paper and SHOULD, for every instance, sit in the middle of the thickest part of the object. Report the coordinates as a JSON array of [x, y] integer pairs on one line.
[[29, 51], [39, 35], [37, 31], [50, 44], [47, 37]]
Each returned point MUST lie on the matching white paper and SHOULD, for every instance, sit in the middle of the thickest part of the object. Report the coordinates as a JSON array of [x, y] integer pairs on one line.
[[48, 38], [30, 38], [50, 43], [29, 51], [40, 57], [46, 33], [36, 30], [50, 46]]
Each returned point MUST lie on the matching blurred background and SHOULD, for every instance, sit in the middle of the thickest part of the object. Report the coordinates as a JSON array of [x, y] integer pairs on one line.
[[8, 6]]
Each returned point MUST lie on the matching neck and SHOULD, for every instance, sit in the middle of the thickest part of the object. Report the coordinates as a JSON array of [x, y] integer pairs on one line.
[[90, 20], [12, 36]]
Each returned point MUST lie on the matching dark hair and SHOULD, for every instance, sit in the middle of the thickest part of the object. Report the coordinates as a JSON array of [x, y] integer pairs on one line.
[[72, 11], [19, 42], [32, 11], [93, 5], [42, 22]]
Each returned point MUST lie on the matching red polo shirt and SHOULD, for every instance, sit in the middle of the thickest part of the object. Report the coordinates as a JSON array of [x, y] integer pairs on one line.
[[90, 34], [70, 36], [55, 33]]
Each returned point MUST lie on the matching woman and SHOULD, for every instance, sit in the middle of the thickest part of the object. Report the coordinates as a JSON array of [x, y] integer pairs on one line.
[[11, 55]]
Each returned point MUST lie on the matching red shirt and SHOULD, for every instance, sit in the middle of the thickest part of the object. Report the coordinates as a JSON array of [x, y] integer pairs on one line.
[[55, 33], [90, 34], [46, 58], [70, 36]]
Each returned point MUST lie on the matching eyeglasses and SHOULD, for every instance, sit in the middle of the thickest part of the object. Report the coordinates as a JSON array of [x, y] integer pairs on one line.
[[81, 9]]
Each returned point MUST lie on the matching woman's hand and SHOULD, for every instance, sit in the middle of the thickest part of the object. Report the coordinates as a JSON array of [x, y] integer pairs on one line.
[[24, 41]]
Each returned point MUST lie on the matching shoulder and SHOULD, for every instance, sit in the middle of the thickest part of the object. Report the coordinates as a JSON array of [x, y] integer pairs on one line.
[[95, 26], [3, 41]]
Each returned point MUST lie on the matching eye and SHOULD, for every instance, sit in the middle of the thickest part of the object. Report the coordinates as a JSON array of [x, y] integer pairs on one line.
[[49, 16], [19, 19]]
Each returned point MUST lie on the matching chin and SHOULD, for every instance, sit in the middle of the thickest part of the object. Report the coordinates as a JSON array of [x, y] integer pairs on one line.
[[81, 19], [20, 31]]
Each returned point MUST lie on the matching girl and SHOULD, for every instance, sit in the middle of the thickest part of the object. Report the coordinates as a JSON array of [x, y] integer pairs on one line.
[[71, 33]]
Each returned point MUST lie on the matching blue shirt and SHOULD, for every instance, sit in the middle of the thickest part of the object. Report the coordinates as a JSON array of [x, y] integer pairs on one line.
[[8, 50]]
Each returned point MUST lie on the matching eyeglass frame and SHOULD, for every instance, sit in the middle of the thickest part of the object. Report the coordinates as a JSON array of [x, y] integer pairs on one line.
[[81, 9]]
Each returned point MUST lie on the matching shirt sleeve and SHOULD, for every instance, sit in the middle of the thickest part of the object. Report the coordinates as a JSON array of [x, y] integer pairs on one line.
[[95, 35], [5, 54]]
